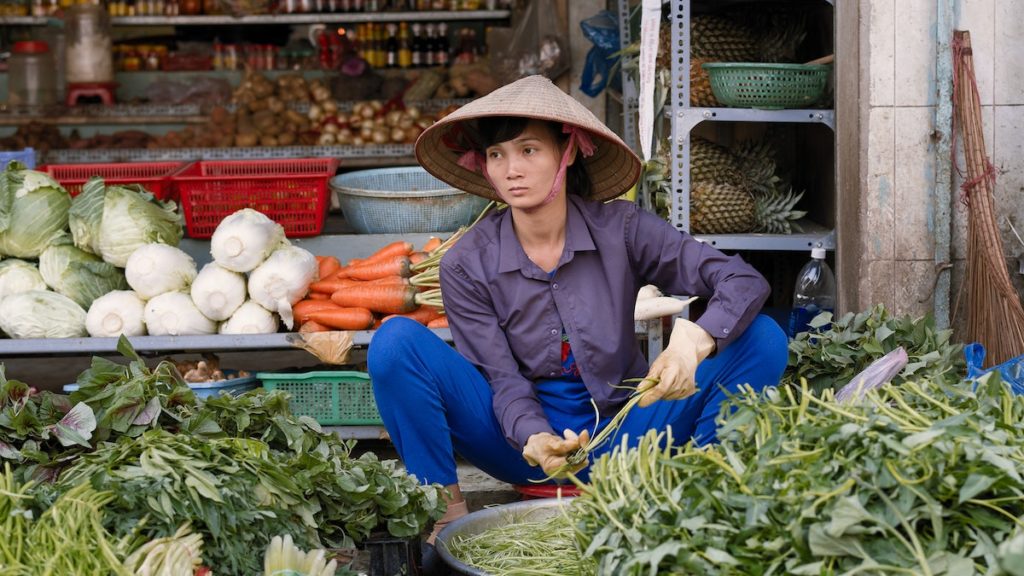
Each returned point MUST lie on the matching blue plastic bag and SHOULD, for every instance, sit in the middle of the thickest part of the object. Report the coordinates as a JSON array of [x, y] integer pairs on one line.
[[1012, 371], [603, 30]]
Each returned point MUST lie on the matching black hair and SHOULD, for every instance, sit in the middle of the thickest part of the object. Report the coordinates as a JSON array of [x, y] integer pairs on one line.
[[496, 129]]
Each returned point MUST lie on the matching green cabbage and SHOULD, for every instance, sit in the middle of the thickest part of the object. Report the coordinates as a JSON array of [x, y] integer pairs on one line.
[[41, 314], [33, 211], [81, 276], [19, 276], [113, 221]]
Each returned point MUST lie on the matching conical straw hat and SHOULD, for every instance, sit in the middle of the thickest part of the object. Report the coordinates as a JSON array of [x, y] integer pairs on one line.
[[613, 168]]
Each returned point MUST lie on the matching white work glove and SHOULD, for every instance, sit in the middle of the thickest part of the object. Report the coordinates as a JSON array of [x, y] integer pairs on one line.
[[550, 451], [676, 367]]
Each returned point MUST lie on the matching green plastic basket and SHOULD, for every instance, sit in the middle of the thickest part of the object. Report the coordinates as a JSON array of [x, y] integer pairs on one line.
[[332, 398], [767, 86]]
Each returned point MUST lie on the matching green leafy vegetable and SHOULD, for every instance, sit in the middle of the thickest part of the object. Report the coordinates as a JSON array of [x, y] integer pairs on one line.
[[922, 478], [33, 211], [113, 221], [831, 358], [81, 276]]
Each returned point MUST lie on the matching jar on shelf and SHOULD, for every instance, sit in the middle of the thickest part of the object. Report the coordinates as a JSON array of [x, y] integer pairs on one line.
[[31, 81], [89, 45]]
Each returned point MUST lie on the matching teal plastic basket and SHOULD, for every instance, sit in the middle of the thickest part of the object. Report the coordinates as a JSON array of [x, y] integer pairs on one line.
[[332, 398], [767, 86], [26, 157], [403, 200]]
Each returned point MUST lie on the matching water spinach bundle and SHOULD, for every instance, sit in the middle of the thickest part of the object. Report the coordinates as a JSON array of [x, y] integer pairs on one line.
[[922, 478]]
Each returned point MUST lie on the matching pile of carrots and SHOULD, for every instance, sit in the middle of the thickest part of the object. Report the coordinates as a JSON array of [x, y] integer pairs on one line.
[[396, 280]]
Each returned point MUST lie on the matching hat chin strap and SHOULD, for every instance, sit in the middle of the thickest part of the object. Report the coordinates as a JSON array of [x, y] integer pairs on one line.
[[578, 139], [474, 160]]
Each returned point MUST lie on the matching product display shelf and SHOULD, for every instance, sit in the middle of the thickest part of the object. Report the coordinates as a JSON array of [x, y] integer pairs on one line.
[[339, 18], [168, 344], [351, 156], [813, 236], [683, 119], [689, 118]]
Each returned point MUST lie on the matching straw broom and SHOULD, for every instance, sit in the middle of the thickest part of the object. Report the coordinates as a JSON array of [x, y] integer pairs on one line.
[[995, 317]]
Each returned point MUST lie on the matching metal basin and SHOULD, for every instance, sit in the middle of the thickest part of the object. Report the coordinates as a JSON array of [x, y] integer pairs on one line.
[[483, 520]]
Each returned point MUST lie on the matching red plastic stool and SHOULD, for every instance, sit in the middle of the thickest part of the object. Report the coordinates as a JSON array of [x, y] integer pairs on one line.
[[534, 491], [103, 90]]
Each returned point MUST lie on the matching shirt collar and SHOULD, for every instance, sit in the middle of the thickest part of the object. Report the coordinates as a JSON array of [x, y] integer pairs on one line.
[[577, 236]]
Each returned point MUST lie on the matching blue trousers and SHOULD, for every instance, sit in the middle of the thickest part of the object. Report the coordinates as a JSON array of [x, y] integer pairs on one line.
[[435, 403]]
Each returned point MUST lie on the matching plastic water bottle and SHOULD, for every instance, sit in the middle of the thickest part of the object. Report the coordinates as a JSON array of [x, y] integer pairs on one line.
[[815, 292]]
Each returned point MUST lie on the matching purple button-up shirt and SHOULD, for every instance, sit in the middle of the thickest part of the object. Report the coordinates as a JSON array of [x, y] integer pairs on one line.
[[506, 314]]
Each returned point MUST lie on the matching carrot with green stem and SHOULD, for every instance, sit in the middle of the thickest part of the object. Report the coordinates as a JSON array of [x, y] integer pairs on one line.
[[424, 315], [303, 308], [344, 318], [431, 244], [430, 298], [427, 279], [393, 266], [383, 298], [397, 248], [327, 265]]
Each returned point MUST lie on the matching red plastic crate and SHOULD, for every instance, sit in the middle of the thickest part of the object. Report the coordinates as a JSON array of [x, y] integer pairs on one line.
[[291, 192], [153, 176]]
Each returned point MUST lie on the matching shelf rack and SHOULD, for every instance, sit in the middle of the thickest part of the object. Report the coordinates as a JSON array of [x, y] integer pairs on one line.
[[684, 118], [351, 156], [284, 19]]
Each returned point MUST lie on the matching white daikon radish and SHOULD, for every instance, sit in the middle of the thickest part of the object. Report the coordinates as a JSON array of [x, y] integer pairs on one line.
[[250, 318], [658, 306], [218, 292], [174, 314], [243, 240], [282, 280], [116, 313], [154, 269]]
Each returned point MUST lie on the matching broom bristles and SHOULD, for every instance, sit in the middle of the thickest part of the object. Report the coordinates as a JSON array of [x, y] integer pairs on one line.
[[995, 317]]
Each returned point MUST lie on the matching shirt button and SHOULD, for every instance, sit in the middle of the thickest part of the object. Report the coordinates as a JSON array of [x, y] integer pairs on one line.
[[554, 286], [725, 330], [551, 374], [554, 331]]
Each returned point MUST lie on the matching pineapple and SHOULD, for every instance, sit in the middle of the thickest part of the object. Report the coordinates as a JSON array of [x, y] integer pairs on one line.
[[720, 39], [774, 213], [734, 192], [720, 208], [710, 162], [701, 94], [755, 159]]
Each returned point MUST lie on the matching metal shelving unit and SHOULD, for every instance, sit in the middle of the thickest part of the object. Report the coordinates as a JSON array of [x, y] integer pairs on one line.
[[813, 236], [284, 19], [684, 118], [342, 18], [351, 156], [167, 344]]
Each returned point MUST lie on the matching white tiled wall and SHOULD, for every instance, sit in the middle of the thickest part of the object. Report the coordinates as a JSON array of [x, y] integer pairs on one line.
[[898, 193]]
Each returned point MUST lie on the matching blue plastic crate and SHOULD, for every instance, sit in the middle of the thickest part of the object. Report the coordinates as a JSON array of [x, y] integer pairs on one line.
[[26, 157], [233, 386]]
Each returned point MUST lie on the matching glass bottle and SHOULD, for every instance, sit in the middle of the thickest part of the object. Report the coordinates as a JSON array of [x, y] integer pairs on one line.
[[30, 75], [404, 46], [89, 45]]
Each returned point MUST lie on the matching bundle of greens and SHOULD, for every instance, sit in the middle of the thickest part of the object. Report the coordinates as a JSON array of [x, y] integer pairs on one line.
[[524, 546], [240, 469], [68, 538], [38, 430], [830, 358], [923, 478]]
